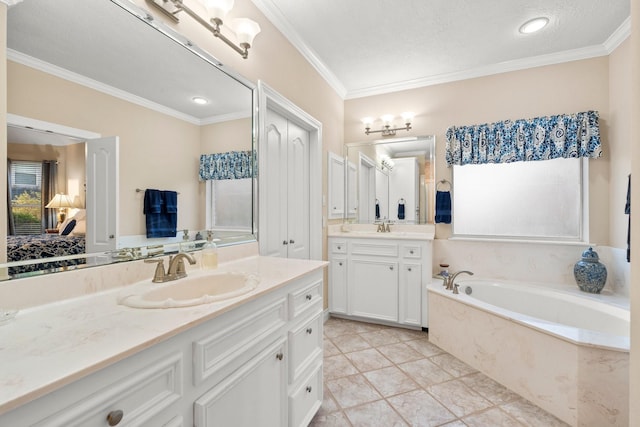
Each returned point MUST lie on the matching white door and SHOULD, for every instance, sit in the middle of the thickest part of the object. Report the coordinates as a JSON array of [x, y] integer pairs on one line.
[[287, 191], [102, 194], [298, 192]]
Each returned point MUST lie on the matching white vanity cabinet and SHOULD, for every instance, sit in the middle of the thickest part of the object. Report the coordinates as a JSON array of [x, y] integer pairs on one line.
[[379, 278], [258, 364]]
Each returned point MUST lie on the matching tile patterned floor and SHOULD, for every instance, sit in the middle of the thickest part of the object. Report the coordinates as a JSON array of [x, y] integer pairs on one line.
[[382, 376]]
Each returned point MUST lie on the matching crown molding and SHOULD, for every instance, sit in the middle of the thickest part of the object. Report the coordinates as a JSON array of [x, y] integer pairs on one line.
[[273, 14], [503, 67], [62, 73], [618, 36]]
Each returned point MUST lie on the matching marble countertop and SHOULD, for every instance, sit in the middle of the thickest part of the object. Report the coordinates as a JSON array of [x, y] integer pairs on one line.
[[398, 231], [48, 346]]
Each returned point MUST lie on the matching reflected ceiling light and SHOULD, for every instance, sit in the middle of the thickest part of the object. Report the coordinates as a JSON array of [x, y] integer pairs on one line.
[[200, 100], [245, 29], [534, 25], [387, 121]]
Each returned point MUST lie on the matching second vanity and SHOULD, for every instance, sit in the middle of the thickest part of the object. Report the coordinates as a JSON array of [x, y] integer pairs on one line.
[[250, 360], [380, 276]]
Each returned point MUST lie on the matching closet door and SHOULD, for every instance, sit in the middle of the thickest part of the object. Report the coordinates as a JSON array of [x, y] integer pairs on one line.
[[287, 190], [275, 174], [298, 192]]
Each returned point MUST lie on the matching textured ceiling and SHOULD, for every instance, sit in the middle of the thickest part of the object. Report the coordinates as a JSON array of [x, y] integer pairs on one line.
[[364, 47]]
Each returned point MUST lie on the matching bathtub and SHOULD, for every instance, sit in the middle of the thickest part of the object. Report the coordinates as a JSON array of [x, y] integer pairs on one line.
[[562, 349]]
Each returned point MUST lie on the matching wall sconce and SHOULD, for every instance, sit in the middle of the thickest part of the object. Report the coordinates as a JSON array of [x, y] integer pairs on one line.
[[245, 28], [387, 119]]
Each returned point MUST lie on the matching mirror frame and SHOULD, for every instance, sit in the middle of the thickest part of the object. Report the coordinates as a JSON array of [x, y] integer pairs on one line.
[[145, 251]]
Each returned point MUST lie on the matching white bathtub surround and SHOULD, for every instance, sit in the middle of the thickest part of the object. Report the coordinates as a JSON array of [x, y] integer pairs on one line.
[[580, 376], [531, 262]]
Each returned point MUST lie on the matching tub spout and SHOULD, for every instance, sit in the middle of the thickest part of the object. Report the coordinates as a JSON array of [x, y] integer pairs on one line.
[[452, 278]]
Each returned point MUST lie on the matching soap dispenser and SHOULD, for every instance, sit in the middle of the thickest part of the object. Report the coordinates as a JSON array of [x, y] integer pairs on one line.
[[209, 253]]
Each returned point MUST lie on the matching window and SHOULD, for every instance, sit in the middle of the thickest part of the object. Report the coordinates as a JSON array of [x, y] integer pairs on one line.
[[543, 200], [236, 213], [26, 197]]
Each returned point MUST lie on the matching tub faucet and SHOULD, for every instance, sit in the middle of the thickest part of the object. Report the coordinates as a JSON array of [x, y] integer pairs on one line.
[[451, 286]]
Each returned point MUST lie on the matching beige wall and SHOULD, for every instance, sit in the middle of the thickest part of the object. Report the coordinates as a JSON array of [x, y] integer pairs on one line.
[[619, 141], [556, 89]]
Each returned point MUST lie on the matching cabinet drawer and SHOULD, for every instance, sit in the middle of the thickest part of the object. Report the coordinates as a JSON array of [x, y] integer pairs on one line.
[[229, 346], [304, 299], [376, 249], [339, 247], [306, 399], [305, 346], [413, 252], [140, 397]]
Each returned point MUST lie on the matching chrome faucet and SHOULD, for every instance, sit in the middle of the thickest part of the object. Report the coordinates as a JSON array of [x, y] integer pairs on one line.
[[176, 268], [450, 280]]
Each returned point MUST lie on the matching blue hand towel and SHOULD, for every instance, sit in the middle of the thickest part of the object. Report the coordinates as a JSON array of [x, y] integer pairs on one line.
[[170, 199], [160, 208], [377, 210], [443, 207], [400, 210], [152, 201]]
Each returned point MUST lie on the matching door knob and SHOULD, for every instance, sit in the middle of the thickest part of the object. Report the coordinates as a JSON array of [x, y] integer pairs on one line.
[[291, 241], [284, 242]]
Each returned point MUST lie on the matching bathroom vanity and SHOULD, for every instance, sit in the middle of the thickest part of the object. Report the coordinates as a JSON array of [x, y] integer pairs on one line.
[[250, 360], [380, 276]]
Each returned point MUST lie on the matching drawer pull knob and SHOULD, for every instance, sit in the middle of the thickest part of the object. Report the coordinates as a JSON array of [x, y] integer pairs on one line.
[[409, 268], [309, 389], [411, 252], [340, 263], [339, 247], [114, 417], [279, 356], [309, 331], [390, 267], [309, 297]]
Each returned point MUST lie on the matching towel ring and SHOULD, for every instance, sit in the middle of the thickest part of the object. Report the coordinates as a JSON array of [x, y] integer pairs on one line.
[[443, 181], [140, 190]]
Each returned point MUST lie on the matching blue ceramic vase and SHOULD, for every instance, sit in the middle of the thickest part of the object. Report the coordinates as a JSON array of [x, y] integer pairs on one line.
[[590, 273]]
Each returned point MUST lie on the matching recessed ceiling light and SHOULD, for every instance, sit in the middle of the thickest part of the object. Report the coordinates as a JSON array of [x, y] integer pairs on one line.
[[534, 25], [200, 100]]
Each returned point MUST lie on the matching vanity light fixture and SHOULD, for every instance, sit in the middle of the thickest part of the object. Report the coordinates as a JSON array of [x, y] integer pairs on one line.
[[386, 162], [534, 25], [387, 121], [244, 28], [200, 100]]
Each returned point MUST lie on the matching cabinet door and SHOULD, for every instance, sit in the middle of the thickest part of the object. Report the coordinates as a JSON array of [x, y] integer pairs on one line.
[[336, 186], [338, 284], [253, 395], [373, 286], [410, 294]]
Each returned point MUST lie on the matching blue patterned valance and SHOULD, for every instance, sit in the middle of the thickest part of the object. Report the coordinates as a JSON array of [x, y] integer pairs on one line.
[[540, 138], [230, 165]]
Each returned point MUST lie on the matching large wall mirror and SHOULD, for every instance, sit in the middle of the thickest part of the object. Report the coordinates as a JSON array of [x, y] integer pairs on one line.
[[104, 102], [391, 180]]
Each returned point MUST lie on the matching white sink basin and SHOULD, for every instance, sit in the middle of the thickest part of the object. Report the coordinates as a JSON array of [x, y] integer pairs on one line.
[[189, 291]]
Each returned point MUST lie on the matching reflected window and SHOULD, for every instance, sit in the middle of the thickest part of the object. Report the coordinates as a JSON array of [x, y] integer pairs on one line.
[[521, 200], [229, 205], [26, 197]]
